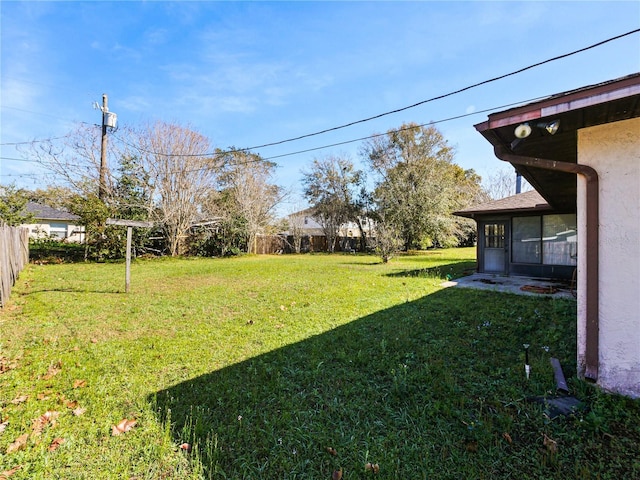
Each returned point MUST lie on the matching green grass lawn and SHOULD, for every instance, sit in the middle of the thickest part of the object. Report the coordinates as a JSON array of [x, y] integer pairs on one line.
[[292, 367]]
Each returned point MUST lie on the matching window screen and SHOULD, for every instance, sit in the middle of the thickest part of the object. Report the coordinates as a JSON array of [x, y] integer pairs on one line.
[[559, 239], [526, 236]]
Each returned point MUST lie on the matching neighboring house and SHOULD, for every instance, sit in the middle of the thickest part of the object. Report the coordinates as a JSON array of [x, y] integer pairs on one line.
[[581, 151], [524, 235], [310, 230], [53, 223]]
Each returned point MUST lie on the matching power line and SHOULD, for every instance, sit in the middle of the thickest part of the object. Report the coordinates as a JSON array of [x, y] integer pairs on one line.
[[429, 100], [432, 99], [435, 122], [25, 160], [455, 92], [260, 159], [33, 141], [20, 175]]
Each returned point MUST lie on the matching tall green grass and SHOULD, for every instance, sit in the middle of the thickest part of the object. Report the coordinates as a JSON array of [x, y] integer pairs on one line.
[[283, 367]]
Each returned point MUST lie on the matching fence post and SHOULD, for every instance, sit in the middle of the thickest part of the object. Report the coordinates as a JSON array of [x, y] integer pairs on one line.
[[14, 256]]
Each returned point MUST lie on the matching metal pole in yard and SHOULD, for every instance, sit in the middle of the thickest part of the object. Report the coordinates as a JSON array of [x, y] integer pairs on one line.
[[129, 224], [127, 280]]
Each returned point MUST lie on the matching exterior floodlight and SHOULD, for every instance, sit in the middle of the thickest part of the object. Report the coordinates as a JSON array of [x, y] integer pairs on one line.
[[552, 127], [523, 130]]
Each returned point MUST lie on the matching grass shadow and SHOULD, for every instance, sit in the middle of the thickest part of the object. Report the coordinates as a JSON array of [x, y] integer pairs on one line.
[[426, 387], [448, 271], [70, 290]]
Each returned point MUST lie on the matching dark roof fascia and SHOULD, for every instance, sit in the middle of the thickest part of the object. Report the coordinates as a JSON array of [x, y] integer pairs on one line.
[[565, 102], [543, 208]]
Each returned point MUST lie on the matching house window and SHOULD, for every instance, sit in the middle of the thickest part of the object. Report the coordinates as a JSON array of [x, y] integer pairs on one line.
[[559, 239], [525, 241], [58, 230], [548, 240], [494, 235]]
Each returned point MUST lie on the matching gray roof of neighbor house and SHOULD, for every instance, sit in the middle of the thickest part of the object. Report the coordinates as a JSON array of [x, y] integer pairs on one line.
[[530, 201], [44, 212]]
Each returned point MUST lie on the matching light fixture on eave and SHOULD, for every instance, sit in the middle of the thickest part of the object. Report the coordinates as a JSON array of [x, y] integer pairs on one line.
[[551, 127], [523, 130]]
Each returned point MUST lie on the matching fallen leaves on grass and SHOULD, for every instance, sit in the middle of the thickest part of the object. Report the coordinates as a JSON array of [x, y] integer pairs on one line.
[[337, 474], [3, 426], [186, 447], [507, 437], [8, 473], [552, 445], [43, 395], [55, 444], [124, 426], [79, 383], [20, 399], [79, 411], [53, 370], [332, 451], [40, 423], [6, 364], [18, 444], [372, 467]]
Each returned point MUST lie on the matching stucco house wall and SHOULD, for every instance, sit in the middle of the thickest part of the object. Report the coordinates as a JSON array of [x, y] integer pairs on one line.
[[60, 229], [53, 223], [613, 150]]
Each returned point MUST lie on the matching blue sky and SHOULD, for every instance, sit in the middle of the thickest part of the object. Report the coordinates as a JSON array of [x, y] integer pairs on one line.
[[250, 73]]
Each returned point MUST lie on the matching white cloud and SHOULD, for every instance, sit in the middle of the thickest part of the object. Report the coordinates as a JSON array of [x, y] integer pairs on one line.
[[156, 36]]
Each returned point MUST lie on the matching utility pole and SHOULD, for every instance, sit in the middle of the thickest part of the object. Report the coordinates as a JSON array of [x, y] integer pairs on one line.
[[103, 149]]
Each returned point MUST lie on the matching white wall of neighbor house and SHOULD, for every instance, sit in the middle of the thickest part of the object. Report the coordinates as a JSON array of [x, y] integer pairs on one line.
[[614, 151], [61, 230]]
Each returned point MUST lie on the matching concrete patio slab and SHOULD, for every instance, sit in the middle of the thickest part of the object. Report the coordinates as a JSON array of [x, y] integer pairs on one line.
[[539, 287]]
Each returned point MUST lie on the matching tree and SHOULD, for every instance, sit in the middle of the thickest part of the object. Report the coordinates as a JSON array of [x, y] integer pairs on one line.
[[329, 188], [13, 204], [74, 160], [161, 171], [52, 196], [222, 231], [179, 174], [501, 183], [295, 225], [131, 200], [417, 185], [246, 178], [93, 214], [131, 191], [387, 240]]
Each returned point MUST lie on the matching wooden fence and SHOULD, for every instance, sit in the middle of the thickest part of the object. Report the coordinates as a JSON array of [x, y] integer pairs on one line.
[[14, 256], [269, 244]]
